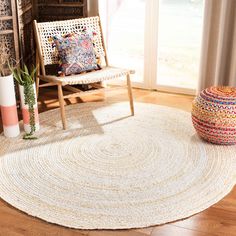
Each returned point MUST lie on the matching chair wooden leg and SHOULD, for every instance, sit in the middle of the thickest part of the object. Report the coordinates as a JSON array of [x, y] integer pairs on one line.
[[62, 106], [37, 86], [37, 73], [130, 95]]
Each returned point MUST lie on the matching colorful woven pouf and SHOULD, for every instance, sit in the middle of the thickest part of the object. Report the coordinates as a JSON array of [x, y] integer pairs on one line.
[[214, 115]]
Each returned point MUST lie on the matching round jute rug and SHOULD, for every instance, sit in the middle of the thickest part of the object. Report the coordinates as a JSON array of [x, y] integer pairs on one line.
[[110, 170]]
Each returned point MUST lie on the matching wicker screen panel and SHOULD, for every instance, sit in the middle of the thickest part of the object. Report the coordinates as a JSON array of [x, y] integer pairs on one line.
[[5, 8], [25, 22], [78, 1], [8, 34], [51, 10], [7, 49], [62, 13], [16, 17], [23, 3], [8, 41], [16, 31], [49, 29], [6, 25]]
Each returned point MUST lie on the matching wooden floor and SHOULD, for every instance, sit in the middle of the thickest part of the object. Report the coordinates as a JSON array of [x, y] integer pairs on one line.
[[219, 219]]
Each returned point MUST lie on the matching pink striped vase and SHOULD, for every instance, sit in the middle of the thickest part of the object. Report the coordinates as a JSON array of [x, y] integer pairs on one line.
[[8, 107], [25, 111]]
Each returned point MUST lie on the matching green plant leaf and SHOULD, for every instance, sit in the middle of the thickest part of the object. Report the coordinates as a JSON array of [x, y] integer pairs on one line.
[[17, 76], [26, 69], [26, 79], [29, 137], [33, 72]]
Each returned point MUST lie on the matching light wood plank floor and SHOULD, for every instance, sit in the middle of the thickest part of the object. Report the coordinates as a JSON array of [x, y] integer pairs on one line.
[[218, 220]]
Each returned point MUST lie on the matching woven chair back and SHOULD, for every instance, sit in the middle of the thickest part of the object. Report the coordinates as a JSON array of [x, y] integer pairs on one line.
[[45, 30]]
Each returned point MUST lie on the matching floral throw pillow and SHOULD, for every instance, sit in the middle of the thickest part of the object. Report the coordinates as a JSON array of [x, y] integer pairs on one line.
[[76, 53]]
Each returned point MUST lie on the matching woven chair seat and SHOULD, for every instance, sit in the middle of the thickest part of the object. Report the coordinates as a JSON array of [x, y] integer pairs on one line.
[[106, 73]]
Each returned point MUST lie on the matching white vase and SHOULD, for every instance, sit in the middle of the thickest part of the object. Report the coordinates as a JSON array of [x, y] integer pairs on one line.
[[25, 111], [8, 107]]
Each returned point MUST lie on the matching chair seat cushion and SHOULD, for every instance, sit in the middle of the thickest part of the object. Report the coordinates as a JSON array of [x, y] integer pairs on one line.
[[106, 73]]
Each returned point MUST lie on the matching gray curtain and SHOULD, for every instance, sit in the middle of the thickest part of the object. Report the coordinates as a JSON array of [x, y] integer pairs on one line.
[[218, 60]]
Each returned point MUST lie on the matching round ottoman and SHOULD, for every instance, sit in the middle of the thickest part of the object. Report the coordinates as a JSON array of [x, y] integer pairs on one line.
[[214, 115]]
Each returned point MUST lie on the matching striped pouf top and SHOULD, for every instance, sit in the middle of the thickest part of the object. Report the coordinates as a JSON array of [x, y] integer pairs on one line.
[[214, 115]]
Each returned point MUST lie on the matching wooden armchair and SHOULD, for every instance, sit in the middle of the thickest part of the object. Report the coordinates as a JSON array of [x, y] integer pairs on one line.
[[46, 56]]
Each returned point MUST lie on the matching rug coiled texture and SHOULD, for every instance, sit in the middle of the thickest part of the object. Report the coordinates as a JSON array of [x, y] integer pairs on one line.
[[110, 170]]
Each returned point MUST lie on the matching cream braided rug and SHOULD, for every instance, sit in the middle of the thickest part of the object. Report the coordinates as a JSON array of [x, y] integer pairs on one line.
[[113, 171]]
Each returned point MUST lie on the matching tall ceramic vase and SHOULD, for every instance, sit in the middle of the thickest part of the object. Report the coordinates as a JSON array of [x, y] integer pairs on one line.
[[25, 111], [8, 107]]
